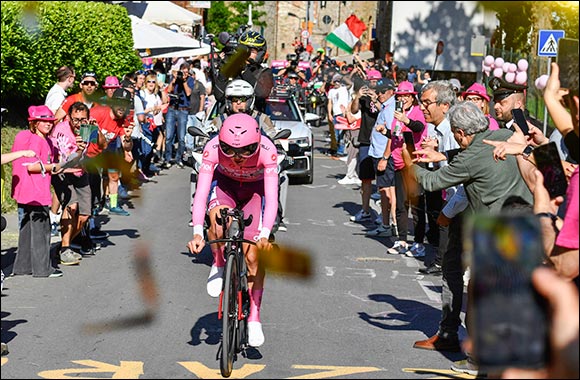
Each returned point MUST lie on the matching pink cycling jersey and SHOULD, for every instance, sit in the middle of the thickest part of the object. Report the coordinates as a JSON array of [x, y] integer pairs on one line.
[[260, 166]]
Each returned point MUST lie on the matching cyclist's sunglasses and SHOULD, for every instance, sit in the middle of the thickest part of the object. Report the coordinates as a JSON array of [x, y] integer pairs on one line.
[[240, 99], [245, 151]]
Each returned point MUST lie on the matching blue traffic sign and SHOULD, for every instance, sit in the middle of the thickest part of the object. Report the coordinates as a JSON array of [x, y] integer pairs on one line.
[[548, 42]]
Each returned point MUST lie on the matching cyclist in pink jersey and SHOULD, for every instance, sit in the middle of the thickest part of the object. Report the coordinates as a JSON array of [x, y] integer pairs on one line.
[[239, 167]]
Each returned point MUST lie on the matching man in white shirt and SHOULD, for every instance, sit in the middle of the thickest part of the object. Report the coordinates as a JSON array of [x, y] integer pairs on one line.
[[57, 94], [337, 96]]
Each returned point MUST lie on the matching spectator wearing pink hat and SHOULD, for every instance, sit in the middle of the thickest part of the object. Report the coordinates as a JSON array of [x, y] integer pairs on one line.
[[31, 190], [110, 85], [477, 94]]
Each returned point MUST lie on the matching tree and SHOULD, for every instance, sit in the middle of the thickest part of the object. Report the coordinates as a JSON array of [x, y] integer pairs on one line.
[[40, 36], [240, 16], [219, 18]]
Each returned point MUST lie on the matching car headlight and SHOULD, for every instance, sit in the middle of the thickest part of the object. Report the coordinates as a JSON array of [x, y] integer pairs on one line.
[[302, 142]]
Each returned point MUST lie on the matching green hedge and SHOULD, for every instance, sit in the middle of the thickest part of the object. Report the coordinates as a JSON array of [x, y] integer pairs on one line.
[[38, 37], [8, 134]]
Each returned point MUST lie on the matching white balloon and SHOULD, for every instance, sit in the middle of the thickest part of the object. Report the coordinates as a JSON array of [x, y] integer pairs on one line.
[[499, 62], [510, 77], [505, 67], [521, 77], [513, 68], [542, 81], [497, 72], [522, 65]]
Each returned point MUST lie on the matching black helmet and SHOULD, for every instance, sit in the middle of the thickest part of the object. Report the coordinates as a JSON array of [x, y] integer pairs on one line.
[[254, 40]]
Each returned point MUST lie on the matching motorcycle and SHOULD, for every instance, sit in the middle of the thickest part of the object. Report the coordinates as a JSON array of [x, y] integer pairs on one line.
[[316, 101]]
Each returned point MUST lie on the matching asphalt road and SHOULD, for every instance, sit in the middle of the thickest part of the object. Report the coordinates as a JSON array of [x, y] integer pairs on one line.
[[356, 317]]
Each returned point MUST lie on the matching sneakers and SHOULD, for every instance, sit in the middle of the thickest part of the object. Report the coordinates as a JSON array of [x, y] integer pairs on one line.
[[416, 250], [166, 165], [118, 211], [180, 164], [67, 257], [349, 181], [282, 226], [88, 251], [361, 216], [439, 343], [399, 248], [215, 281], [434, 269], [57, 273], [255, 334], [467, 366], [54, 229], [122, 193], [380, 231]]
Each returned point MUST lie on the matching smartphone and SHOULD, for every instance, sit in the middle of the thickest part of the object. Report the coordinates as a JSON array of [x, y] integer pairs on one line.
[[520, 120], [509, 323], [88, 133], [549, 163], [408, 136], [567, 60], [399, 106]]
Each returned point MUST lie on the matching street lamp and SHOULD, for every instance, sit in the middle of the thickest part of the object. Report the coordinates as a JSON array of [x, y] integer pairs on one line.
[[299, 19]]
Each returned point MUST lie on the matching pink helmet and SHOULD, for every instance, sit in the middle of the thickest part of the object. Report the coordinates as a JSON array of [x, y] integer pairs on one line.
[[476, 89], [240, 130], [374, 74]]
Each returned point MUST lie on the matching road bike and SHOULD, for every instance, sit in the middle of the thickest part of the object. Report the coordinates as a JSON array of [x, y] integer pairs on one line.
[[234, 302]]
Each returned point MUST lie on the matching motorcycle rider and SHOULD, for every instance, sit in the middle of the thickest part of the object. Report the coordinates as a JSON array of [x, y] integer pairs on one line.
[[240, 99]]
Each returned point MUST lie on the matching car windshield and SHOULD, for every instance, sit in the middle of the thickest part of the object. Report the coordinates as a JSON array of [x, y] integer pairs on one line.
[[282, 109]]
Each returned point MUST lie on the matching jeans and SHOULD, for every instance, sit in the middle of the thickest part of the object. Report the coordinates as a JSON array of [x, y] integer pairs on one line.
[[339, 134], [452, 290], [33, 256], [175, 121]]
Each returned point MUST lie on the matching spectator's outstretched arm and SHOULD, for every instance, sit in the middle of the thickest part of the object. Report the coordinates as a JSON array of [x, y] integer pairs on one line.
[[553, 95], [9, 157]]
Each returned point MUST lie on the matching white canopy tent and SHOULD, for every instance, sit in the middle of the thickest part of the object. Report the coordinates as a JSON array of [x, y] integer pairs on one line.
[[155, 41], [163, 13]]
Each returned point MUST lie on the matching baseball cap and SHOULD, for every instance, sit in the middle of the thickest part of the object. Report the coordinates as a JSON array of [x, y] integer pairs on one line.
[[456, 84], [337, 78], [502, 89], [121, 97], [111, 82], [374, 74], [384, 84], [476, 89], [40, 113], [89, 74]]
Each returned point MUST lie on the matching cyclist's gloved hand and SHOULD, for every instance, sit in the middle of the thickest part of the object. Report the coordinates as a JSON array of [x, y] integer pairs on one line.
[[196, 244]]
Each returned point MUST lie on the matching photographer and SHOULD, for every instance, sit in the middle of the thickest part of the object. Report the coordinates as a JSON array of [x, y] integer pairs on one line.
[[179, 92]]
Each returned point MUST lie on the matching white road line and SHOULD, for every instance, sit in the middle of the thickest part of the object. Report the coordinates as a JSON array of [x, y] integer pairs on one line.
[[329, 271], [428, 287]]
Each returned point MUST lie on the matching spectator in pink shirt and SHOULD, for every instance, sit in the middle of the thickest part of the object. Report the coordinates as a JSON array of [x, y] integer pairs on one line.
[[477, 94], [31, 190]]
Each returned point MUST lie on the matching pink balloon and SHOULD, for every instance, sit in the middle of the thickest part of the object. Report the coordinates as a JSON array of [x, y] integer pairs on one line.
[[510, 77], [522, 65], [537, 83], [521, 77], [488, 60], [505, 67], [499, 62], [541, 82], [513, 68], [497, 72]]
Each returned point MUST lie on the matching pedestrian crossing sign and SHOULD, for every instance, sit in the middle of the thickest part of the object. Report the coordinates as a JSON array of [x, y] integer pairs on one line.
[[548, 42]]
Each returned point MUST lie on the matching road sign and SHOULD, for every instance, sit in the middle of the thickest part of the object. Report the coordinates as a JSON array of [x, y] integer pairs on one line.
[[548, 42], [305, 34]]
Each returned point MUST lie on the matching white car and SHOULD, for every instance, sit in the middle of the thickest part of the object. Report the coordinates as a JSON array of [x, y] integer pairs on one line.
[[285, 114]]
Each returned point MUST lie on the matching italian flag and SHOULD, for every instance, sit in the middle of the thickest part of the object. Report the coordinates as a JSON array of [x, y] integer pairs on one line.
[[347, 34]]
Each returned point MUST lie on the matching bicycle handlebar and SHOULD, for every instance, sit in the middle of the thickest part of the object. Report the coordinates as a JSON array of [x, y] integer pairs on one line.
[[231, 240]]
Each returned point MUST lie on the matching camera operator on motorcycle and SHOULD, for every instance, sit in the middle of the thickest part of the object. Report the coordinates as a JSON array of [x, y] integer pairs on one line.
[[240, 99], [238, 167], [253, 54]]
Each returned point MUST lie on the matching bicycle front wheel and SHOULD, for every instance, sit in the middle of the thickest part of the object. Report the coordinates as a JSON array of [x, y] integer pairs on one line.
[[229, 316]]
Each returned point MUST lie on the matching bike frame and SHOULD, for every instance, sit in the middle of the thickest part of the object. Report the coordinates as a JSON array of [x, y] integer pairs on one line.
[[234, 301]]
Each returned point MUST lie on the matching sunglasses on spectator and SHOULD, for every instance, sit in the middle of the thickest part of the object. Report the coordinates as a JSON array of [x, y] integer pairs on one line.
[[474, 99], [88, 83], [241, 99], [151, 81], [245, 151]]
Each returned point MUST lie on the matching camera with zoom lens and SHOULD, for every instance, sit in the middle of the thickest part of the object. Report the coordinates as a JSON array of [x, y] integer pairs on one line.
[[179, 77]]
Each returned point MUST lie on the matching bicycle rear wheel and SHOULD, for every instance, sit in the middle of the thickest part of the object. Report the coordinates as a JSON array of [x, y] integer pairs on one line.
[[229, 316]]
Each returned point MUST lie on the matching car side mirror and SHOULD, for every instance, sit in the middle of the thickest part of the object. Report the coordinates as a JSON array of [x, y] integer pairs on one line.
[[195, 131]]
